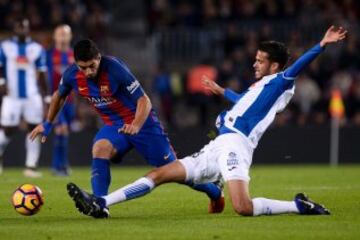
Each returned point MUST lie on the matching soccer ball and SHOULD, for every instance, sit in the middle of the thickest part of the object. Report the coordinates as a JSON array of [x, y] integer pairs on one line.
[[27, 199]]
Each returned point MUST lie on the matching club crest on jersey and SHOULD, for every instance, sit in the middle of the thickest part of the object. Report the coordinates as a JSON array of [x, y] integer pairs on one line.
[[133, 86], [22, 62], [104, 89]]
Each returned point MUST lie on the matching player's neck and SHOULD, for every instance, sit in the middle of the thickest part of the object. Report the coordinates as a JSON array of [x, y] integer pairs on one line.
[[62, 48]]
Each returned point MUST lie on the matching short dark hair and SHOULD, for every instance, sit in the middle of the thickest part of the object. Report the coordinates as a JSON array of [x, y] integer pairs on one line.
[[277, 52], [85, 50]]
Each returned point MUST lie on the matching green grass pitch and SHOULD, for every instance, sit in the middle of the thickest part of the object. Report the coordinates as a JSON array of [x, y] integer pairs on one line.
[[174, 211]]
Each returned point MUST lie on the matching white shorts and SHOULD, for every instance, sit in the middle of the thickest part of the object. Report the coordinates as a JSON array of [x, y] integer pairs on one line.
[[229, 156], [12, 109]]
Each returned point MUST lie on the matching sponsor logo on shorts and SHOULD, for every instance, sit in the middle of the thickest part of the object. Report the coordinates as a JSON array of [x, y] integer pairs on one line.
[[232, 161]]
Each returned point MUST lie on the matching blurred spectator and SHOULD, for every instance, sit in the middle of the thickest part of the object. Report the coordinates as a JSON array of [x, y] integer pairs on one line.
[[162, 88], [198, 96], [307, 93], [243, 24]]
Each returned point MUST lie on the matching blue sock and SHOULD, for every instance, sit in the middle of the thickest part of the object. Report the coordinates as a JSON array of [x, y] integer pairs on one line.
[[100, 176], [211, 190], [60, 152]]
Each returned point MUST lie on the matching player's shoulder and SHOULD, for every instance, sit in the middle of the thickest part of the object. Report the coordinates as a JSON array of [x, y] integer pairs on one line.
[[70, 72], [113, 63], [7, 42], [34, 44]]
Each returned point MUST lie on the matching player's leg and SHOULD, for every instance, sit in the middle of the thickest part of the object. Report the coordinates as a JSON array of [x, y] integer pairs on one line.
[[60, 162], [107, 143], [10, 119], [172, 172], [98, 206], [234, 163], [33, 115], [157, 150], [60, 152], [245, 206]]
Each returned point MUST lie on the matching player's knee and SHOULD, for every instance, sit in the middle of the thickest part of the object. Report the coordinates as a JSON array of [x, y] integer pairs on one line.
[[156, 176], [243, 209], [103, 149], [9, 131]]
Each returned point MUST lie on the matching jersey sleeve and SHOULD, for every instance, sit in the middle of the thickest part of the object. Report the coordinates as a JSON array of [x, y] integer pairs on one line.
[[64, 86], [293, 71], [231, 95], [127, 80], [40, 62]]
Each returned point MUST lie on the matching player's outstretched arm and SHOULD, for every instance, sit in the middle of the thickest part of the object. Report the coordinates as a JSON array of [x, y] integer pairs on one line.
[[332, 35], [216, 89], [57, 102]]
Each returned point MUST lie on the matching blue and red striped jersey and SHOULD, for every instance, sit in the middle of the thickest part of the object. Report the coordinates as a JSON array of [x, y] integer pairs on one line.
[[57, 62], [113, 93]]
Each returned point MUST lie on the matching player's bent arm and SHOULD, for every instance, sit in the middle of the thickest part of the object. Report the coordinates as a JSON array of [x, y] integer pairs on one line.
[[57, 102], [231, 95], [143, 109]]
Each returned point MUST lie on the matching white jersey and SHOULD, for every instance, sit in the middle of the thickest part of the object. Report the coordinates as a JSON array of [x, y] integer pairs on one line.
[[256, 108], [21, 61]]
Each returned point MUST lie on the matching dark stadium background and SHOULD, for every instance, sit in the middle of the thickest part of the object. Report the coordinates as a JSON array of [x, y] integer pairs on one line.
[[162, 40]]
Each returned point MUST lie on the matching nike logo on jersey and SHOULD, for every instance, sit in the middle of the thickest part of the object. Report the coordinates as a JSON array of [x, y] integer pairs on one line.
[[82, 88]]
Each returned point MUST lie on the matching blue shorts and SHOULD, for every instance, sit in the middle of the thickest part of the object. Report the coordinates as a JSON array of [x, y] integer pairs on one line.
[[152, 143], [66, 115]]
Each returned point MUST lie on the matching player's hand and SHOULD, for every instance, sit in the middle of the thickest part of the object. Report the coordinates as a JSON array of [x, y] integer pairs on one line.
[[42, 129], [333, 35], [212, 86], [130, 129]]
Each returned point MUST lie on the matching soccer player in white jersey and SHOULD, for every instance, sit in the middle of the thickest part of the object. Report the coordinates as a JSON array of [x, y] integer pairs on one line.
[[229, 156], [23, 69]]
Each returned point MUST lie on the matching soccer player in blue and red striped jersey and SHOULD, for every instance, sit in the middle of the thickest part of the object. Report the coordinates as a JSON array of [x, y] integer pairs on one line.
[[59, 57], [130, 122]]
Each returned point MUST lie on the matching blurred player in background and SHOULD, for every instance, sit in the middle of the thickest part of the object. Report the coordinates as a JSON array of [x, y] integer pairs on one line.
[[23, 68], [229, 156], [130, 122], [59, 57]]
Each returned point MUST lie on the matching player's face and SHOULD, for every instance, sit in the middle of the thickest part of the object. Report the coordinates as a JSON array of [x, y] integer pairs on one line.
[[262, 65], [89, 68], [62, 37], [22, 28]]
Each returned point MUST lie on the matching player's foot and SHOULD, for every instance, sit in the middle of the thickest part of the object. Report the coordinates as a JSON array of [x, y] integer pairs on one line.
[[32, 173], [309, 207], [61, 172], [217, 206], [86, 203]]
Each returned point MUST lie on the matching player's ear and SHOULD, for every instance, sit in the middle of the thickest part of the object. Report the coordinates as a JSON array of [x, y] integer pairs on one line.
[[274, 67]]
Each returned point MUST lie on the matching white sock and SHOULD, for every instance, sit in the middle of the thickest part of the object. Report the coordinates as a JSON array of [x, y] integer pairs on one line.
[[264, 206], [136, 189], [4, 140], [32, 152]]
